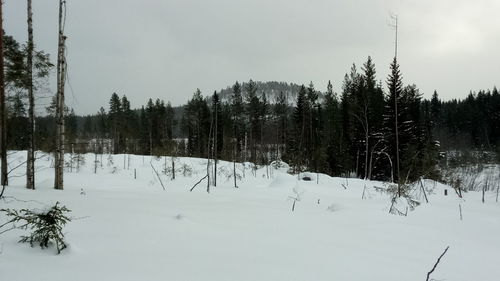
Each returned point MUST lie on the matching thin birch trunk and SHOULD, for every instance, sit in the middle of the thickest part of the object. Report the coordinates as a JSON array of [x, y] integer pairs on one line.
[[3, 122], [61, 75], [30, 162]]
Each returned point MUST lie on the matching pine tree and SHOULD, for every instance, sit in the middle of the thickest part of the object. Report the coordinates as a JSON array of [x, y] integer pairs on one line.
[[196, 125], [298, 140], [332, 130], [348, 150], [128, 124], [71, 127], [237, 111], [264, 132], [151, 124], [16, 135], [253, 115], [144, 132], [115, 120], [281, 124], [218, 125], [170, 121], [435, 109]]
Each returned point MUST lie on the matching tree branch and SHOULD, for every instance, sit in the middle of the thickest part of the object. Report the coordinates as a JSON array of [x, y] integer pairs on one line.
[[437, 262], [192, 188], [158, 175]]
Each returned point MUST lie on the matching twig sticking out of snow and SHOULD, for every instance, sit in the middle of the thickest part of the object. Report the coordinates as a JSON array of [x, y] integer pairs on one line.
[[460, 210], [423, 190], [158, 175], [297, 197], [192, 188], [3, 189], [435, 265]]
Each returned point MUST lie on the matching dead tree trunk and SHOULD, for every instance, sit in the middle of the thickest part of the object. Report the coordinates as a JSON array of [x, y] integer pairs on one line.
[[173, 167], [215, 146], [363, 120], [396, 126], [435, 265], [95, 162], [3, 139], [61, 75], [30, 162], [208, 155], [234, 175]]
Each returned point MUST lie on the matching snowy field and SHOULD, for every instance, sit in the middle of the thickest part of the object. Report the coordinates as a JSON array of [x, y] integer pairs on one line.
[[131, 229]]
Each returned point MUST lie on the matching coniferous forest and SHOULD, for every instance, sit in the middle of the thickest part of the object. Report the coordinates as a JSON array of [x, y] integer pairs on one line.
[[375, 128], [234, 140]]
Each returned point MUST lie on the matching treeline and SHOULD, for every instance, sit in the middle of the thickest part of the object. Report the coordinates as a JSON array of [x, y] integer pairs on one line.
[[363, 131], [473, 122]]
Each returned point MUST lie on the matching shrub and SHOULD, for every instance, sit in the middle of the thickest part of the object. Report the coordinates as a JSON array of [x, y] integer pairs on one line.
[[46, 226]]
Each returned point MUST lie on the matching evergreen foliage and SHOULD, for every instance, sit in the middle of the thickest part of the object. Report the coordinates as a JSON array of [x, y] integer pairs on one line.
[[46, 227], [352, 133]]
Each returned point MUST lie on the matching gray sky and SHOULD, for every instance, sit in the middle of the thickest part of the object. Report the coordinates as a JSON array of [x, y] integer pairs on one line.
[[166, 49]]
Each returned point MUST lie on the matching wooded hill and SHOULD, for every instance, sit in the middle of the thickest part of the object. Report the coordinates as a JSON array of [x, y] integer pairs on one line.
[[369, 130]]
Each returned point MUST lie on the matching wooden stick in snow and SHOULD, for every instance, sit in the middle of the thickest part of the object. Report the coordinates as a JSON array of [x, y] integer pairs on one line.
[[192, 188], [158, 175], [460, 210], [435, 265], [423, 189]]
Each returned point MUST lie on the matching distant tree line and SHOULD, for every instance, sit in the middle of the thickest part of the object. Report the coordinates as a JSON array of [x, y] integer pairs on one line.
[[366, 130]]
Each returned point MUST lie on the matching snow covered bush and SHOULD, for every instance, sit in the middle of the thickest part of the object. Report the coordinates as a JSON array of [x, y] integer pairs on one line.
[[185, 170], [46, 226], [402, 198]]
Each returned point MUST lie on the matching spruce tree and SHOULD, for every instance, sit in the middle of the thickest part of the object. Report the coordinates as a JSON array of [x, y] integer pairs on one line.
[[298, 139], [332, 130], [115, 121], [395, 85], [253, 115], [280, 111], [237, 111]]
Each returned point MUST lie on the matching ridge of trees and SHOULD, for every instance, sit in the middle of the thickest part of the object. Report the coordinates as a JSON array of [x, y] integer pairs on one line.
[[348, 133]]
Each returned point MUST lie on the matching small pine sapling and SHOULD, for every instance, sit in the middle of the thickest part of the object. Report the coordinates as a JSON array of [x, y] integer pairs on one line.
[[296, 197], [46, 227]]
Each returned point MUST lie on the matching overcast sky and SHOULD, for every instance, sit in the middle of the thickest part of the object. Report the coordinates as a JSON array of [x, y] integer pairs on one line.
[[166, 49]]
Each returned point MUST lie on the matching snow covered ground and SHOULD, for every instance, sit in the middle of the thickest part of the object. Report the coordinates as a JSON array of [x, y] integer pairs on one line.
[[131, 229]]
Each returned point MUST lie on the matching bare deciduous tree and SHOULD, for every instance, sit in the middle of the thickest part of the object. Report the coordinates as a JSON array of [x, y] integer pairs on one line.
[[3, 112], [61, 77], [30, 164]]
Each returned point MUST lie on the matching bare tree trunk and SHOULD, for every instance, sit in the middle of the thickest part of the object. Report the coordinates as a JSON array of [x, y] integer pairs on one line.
[[3, 112], [30, 162], [61, 75], [397, 143], [95, 162], [215, 146], [498, 188], [150, 142], [367, 143], [173, 168], [390, 162], [357, 163], [484, 191], [208, 155], [234, 174], [71, 158]]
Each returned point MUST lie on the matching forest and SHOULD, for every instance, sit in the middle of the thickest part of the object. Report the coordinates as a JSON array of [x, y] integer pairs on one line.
[[139, 175], [370, 130]]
